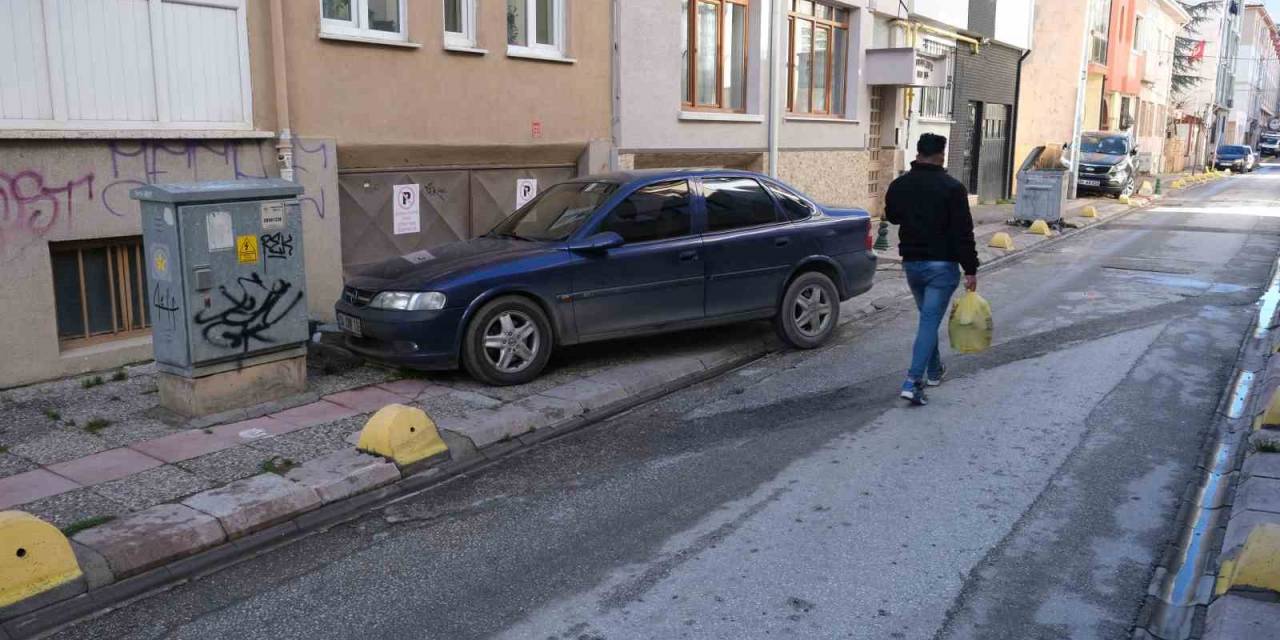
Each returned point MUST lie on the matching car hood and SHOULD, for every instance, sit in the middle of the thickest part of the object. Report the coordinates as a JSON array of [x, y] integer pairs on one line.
[[419, 269], [1103, 159]]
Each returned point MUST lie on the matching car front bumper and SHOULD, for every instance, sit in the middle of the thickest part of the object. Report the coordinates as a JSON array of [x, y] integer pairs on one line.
[[427, 340], [1234, 165], [1101, 182]]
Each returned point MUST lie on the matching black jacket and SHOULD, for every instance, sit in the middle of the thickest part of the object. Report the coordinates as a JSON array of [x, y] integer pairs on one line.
[[932, 209]]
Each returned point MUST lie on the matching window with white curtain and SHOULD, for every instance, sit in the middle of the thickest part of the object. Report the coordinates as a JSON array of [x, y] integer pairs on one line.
[[124, 64], [460, 23], [378, 19], [536, 28]]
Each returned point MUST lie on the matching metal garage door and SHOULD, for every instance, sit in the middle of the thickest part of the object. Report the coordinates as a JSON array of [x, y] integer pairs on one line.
[[993, 152], [454, 205]]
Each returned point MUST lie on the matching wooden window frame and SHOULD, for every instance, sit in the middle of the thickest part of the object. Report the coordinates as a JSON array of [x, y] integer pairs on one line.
[[691, 25], [125, 276], [793, 19]]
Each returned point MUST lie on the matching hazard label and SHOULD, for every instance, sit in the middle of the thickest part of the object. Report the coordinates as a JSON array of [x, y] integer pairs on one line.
[[247, 248]]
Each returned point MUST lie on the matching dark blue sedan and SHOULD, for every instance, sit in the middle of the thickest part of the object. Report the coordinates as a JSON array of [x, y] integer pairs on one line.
[[609, 256]]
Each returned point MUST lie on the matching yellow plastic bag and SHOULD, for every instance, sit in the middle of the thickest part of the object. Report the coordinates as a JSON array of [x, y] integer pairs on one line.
[[970, 325]]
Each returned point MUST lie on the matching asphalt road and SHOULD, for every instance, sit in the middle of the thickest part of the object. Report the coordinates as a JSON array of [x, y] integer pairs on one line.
[[799, 498]]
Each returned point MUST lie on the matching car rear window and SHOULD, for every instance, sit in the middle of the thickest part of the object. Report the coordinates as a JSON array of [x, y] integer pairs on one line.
[[734, 203], [793, 206]]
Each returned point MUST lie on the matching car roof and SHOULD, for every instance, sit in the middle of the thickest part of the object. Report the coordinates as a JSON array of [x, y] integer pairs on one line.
[[651, 175]]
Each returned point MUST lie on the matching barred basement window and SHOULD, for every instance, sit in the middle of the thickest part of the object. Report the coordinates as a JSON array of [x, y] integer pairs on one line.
[[100, 289]]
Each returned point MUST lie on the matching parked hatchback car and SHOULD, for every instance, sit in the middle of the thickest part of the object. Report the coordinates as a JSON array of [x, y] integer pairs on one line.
[[608, 256], [1236, 157], [1269, 145], [1107, 164]]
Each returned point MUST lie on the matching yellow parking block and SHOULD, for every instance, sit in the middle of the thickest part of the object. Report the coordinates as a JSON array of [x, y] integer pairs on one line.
[[1040, 227], [1257, 567], [1123, 199], [1002, 240], [402, 434], [1271, 417], [1089, 212], [34, 557]]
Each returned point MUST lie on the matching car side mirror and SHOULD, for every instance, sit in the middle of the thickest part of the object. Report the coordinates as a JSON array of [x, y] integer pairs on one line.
[[598, 243]]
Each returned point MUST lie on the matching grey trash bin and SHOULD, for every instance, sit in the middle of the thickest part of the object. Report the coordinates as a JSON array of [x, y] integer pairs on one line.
[[1042, 192]]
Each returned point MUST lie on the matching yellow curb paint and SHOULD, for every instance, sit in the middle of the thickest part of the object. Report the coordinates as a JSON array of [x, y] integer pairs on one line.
[[402, 434], [1040, 227], [1257, 567], [1089, 212], [1002, 240], [34, 557]]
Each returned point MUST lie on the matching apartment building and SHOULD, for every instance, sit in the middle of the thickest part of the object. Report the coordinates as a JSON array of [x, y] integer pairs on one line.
[[1257, 75], [1156, 27], [103, 96]]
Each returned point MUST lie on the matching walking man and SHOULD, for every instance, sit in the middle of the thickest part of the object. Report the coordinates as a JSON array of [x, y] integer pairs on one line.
[[935, 239]]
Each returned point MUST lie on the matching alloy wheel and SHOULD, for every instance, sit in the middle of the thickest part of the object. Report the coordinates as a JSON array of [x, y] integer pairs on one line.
[[511, 342], [811, 313]]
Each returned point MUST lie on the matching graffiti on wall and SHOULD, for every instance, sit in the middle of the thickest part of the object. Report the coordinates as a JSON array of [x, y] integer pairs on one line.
[[248, 314], [37, 202]]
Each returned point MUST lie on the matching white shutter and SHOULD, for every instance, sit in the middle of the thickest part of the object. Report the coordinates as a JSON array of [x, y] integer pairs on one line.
[[128, 64]]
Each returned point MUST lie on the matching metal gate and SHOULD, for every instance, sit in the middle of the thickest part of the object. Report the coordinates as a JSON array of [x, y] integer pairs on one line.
[[456, 204], [993, 152]]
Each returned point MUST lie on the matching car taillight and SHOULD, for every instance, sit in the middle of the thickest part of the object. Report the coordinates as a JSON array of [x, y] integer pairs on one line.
[[871, 237]]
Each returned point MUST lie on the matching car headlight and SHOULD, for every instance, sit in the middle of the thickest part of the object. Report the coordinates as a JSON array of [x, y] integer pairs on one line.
[[408, 301]]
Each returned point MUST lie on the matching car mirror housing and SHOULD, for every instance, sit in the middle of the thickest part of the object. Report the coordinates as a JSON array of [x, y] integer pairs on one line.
[[598, 243]]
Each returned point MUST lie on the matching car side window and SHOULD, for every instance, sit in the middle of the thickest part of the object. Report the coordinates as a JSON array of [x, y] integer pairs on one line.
[[793, 206], [655, 212], [734, 203]]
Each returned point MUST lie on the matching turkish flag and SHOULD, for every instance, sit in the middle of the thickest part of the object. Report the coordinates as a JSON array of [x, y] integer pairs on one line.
[[1197, 54]]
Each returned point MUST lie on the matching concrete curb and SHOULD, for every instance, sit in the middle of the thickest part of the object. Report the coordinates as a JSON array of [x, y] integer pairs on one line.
[[153, 550]]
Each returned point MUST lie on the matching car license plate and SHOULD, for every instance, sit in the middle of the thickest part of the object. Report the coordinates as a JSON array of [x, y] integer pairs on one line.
[[350, 325], [1091, 183]]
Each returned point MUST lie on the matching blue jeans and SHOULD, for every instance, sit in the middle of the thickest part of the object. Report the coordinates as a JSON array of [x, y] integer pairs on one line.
[[932, 284]]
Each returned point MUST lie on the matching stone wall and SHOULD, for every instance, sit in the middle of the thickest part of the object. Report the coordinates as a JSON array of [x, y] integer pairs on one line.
[[835, 178]]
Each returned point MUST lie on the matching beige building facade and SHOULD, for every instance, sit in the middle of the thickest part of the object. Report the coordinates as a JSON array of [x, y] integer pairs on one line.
[[1050, 77], [1157, 30]]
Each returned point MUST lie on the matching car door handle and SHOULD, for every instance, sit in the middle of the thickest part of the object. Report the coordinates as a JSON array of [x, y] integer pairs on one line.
[[781, 242], [689, 256]]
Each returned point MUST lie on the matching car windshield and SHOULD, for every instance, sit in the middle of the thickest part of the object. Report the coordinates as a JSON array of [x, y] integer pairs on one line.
[[1109, 145], [555, 213], [1271, 139], [1233, 150]]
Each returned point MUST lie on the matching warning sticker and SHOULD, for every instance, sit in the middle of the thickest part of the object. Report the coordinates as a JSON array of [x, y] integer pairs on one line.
[[160, 262], [247, 248], [272, 215]]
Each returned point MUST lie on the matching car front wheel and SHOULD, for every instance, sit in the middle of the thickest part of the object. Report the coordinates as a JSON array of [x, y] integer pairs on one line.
[[508, 342], [809, 312]]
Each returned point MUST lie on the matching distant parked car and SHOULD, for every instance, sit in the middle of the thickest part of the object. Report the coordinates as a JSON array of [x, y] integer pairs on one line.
[[1108, 164], [609, 256], [1236, 157], [1269, 145]]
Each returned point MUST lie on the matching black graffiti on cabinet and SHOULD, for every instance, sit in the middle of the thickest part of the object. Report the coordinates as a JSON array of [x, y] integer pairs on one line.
[[277, 245], [167, 304], [250, 313]]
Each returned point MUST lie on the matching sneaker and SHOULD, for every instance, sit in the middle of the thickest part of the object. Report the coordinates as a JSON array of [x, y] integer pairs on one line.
[[913, 391], [934, 380]]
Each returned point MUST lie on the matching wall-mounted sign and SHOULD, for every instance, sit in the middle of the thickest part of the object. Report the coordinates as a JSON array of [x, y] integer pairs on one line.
[[406, 214], [526, 189], [905, 67]]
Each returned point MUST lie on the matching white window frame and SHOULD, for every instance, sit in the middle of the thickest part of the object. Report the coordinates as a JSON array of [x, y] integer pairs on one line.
[[465, 39], [555, 51], [358, 25], [945, 94], [164, 121], [1140, 33]]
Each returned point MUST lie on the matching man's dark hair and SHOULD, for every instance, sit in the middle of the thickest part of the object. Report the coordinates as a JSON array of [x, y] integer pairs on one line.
[[931, 144]]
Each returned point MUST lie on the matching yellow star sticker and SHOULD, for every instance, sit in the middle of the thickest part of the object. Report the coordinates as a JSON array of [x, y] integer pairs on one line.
[[161, 262]]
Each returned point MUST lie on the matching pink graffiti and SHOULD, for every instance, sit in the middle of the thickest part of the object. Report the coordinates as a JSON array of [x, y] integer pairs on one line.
[[30, 207]]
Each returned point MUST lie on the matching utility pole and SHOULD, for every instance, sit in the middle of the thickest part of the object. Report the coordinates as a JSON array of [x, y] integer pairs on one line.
[[1083, 88]]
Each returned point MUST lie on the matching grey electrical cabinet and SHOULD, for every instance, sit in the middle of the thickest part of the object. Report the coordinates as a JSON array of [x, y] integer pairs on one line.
[[225, 272]]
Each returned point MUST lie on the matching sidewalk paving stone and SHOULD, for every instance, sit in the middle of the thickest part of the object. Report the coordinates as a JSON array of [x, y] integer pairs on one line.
[[319, 412], [184, 446], [150, 538], [13, 465], [343, 474], [409, 387], [108, 465], [1257, 494], [228, 465], [457, 404], [60, 445], [245, 506], [77, 505], [591, 394], [152, 487], [488, 426], [367, 399], [1241, 524], [317, 441], [1233, 617], [247, 431], [1263, 465], [32, 485], [130, 432]]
